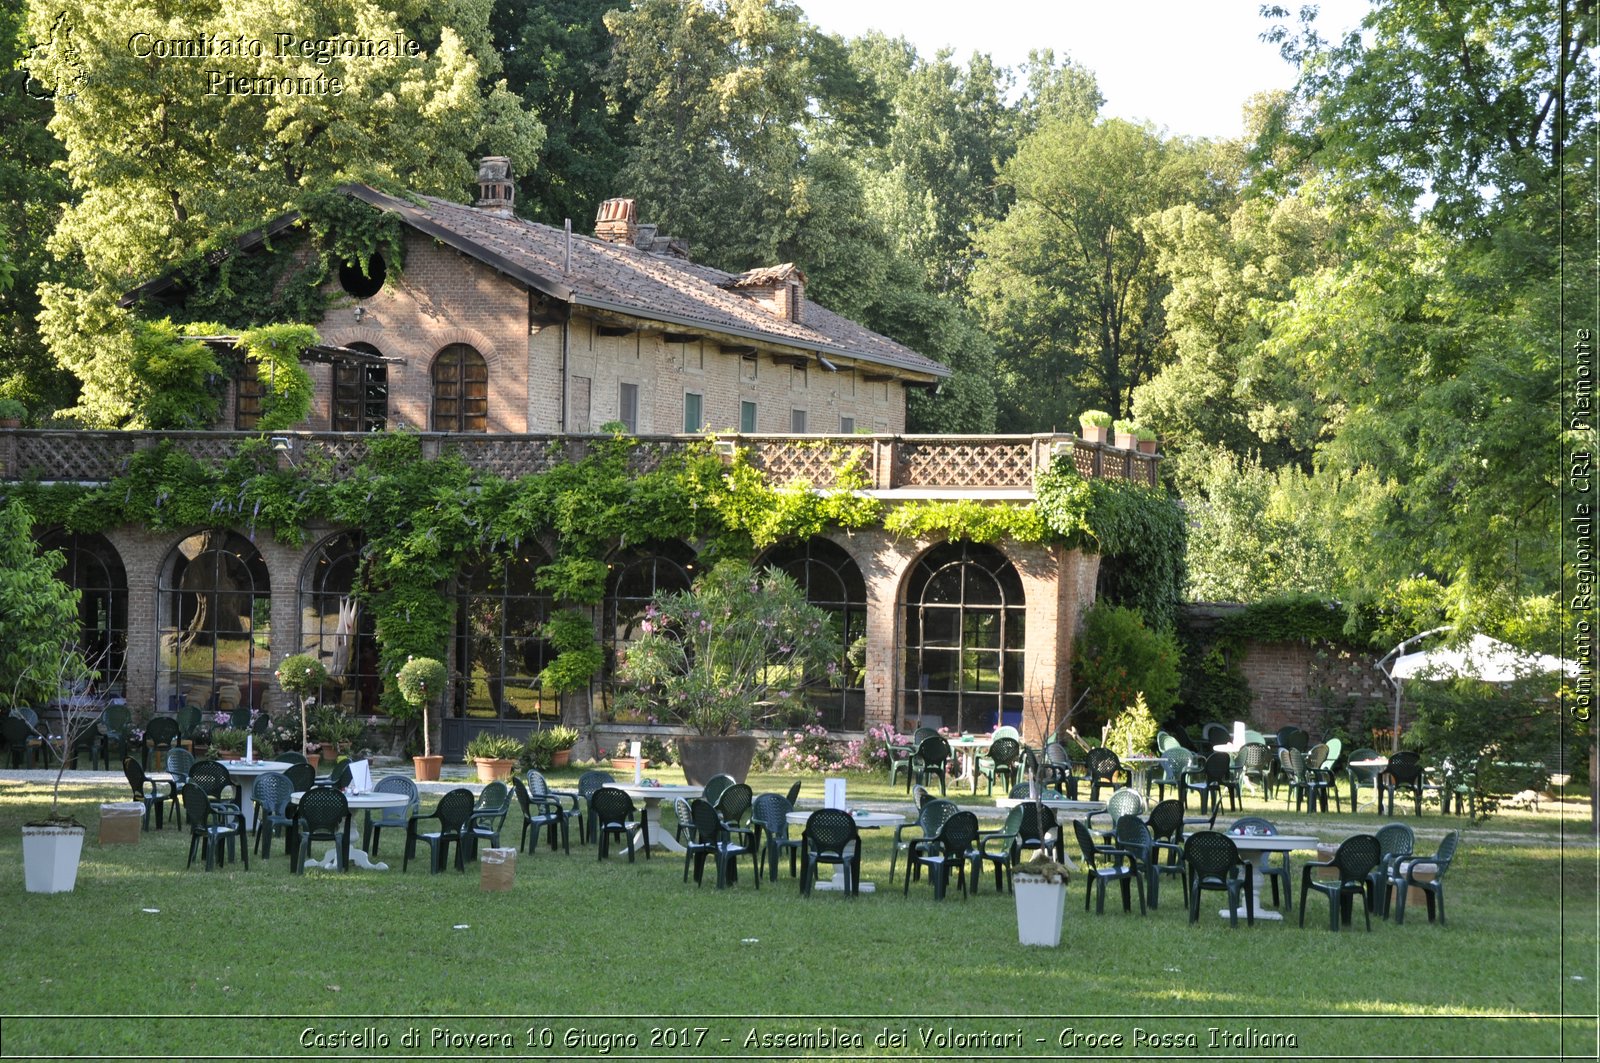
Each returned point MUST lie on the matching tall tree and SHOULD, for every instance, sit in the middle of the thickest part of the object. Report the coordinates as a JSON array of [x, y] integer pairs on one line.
[[165, 153], [1067, 281], [31, 193], [556, 53]]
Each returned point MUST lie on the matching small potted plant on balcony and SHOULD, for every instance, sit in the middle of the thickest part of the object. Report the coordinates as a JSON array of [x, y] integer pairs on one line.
[[11, 413], [1123, 430], [495, 755], [421, 679], [1145, 438], [1095, 425], [707, 657]]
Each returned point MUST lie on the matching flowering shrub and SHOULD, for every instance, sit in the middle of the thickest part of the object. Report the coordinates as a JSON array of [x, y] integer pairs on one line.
[[738, 640], [875, 747], [812, 748]]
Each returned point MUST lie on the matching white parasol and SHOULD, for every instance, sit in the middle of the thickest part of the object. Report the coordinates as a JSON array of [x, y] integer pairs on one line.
[[1481, 658]]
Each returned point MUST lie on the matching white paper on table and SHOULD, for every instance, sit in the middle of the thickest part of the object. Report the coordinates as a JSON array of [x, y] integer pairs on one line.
[[1238, 732], [360, 776], [833, 793]]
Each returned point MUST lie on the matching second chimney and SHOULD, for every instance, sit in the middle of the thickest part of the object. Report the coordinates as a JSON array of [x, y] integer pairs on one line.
[[617, 221], [496, 190]]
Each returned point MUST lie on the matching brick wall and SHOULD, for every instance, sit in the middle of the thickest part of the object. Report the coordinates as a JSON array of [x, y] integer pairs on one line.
[[444, 297], [1310, 686]]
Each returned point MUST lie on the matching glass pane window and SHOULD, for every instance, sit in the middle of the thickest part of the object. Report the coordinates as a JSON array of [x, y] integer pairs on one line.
[[747, 417], [214, 621], [628, 406], [360, 395], [833, 583], [91, 566], [500, 646], [335, 629], [693, 407]]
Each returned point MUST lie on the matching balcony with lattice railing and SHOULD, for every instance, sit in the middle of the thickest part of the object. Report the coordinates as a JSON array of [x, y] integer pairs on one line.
[[946, 463]]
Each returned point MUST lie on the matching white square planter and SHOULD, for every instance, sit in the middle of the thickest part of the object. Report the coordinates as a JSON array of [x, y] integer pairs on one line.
[[50, 858], [1040, 906]]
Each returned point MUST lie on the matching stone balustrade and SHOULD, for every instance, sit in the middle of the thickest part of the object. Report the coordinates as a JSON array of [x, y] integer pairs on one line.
[[945, 462]]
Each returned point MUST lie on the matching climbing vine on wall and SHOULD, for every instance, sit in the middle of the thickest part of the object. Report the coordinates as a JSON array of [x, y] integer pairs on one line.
[[422, 519]]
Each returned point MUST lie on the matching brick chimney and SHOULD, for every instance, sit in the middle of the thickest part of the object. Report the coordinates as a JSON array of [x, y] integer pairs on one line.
[[780, 290], [496, 191], [616, 222]]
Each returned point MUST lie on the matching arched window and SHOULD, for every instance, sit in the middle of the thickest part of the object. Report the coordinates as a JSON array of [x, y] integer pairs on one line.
[[499, 645], [92, 566], [215, 623], [831, 581], [636, 575], [962, 621], [360, 394], [335, 629], [460, 390]]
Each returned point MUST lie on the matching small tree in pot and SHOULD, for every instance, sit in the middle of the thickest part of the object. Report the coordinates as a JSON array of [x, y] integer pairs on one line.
[[706, 657], [420, 680], [302, 676]]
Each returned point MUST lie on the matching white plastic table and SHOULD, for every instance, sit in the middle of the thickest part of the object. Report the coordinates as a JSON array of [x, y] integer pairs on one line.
[[652, 796], [864, 821], [967, 748], [245, 773], [372, 799], [1265, 845]]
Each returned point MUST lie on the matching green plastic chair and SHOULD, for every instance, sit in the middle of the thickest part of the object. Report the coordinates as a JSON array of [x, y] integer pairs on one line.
[[930, 820], [950, 850], [210, 828], [1107, 863], [1000, 848], [372, 824], [1406, 873], [1353, 860], [614, 814], [323, 815], [488, 817], [1395, 843], [830, 837], [769, 816], [1215, 864], [709, 836], [1261, 826], [712, 791], [452, 813], [1004, 759]]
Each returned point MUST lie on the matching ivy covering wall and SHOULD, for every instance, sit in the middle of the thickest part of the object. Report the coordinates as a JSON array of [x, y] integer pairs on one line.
[[421, 519]]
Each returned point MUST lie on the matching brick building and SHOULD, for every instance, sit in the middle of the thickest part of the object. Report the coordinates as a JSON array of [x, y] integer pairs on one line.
[[505, 341]]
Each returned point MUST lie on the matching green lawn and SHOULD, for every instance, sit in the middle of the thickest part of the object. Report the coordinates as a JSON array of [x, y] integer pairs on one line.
[[237, 963]]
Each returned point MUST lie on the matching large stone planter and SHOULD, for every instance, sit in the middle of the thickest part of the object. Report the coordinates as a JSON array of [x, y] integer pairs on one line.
[[703, 756], [50, 855]]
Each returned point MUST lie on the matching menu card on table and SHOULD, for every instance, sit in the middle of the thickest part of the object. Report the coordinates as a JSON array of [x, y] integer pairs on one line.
[[833, 793]]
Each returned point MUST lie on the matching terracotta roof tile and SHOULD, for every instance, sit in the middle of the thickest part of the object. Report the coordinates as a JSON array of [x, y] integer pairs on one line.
[[624, 279]]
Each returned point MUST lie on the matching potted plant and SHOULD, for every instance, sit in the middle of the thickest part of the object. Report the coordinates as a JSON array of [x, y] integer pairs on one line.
[[546, 748], [302, 675], [420, 680], [1040, 888], [52, 847], [708, 656], [11, 413], [1095, 425], [1145, 438], [1124, 433], [495, 755], [334, 731], [622, 760], [228, 743]]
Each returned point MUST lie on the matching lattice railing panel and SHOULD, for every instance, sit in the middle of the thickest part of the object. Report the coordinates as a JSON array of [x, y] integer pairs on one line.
[[975, 463], [784, 460], [509, 457], [343, 451], [87, 456]]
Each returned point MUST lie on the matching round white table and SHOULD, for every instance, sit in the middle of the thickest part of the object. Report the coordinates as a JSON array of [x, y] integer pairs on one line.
[[372, 799], [245, 773], [652, 796], [864, 821], [1074, 809], [1139, 765], [967, 748], [1266, 845]]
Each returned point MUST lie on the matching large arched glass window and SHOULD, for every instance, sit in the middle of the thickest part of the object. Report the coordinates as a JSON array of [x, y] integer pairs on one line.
[[460, 390], [636, 575], [962, 621], [831, 581], [215, 623], [499, 645], [92, 567], [335, 629]]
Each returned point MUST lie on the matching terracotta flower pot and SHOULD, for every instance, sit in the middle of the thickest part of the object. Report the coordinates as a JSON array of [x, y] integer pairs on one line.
[[1126, 441], [427, 768], [1097, 433], [490, 769], [561, 758], [626, 764]]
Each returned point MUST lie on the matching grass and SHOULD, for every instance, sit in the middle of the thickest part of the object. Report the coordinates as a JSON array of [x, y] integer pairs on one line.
[[237, 963]]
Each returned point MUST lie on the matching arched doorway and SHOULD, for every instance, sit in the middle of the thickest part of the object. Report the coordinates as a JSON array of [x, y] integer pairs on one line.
[[92, 567], [335, 629], [636, 575], [214, 622], [832, 581], [500, 648], [962, 624]]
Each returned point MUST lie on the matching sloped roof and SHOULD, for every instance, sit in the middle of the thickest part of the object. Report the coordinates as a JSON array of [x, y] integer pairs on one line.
[[623, 279]]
